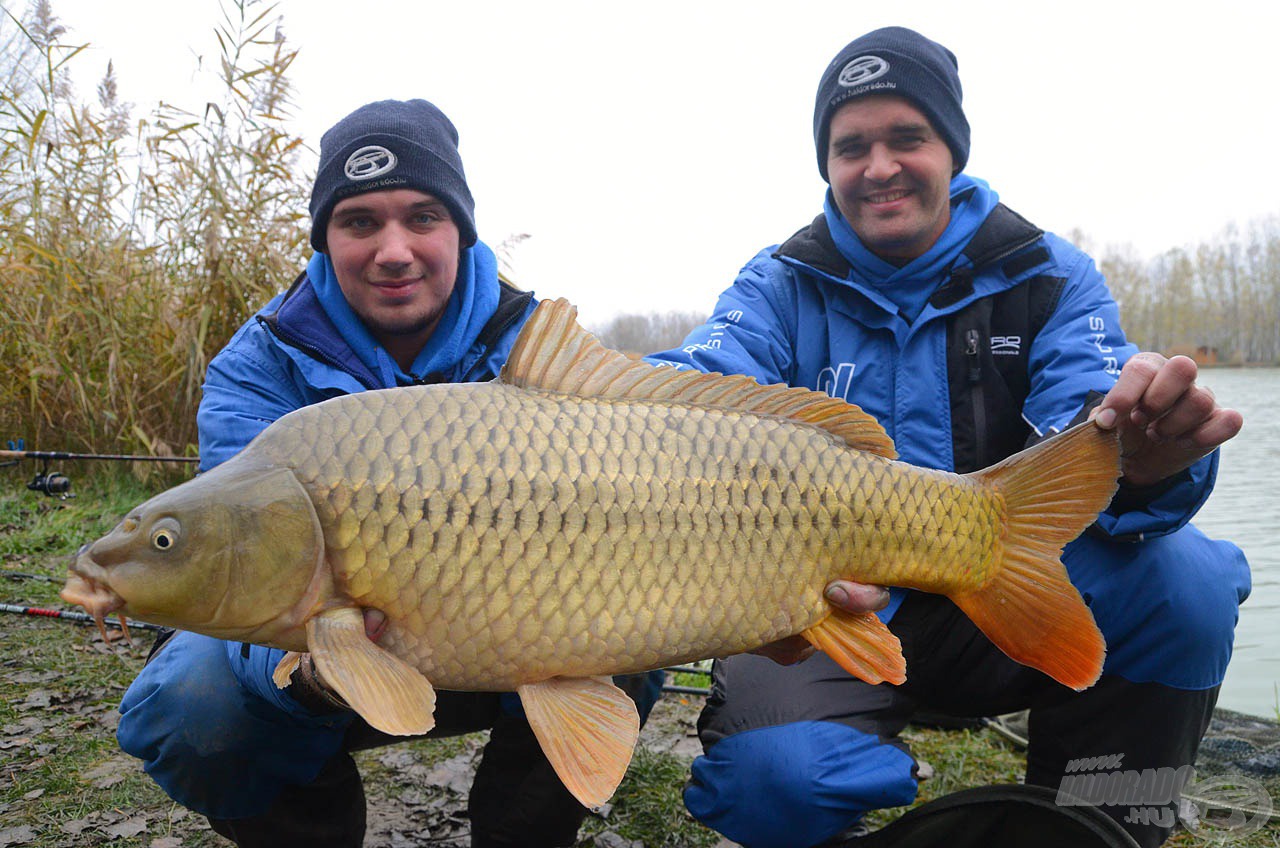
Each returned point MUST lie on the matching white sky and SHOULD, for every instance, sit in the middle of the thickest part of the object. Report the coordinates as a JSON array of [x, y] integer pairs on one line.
[[651, 149]]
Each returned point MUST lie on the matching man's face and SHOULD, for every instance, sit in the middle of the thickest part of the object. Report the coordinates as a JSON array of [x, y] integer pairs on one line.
[[396, 257], [890, 175]]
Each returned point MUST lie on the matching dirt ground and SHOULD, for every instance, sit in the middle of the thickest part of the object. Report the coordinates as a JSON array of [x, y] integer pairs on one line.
[[421, 817], [64, 783]]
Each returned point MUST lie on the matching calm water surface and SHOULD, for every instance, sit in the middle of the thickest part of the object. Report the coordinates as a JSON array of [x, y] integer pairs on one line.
[[1244, 509]]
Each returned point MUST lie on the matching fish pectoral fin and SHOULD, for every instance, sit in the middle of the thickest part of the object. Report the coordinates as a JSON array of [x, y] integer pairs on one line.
[[285, 668], [386, 691], [860, 644], [587, 728]]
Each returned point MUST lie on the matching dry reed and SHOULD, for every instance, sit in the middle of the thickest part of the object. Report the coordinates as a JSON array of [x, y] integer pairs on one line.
[[129, 254]]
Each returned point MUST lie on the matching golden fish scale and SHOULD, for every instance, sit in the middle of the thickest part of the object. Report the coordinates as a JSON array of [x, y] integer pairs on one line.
[[514, 535]]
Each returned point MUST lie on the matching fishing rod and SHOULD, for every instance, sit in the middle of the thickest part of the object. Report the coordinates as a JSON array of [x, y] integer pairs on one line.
[[79, 618], [55, 484], [687, 690]]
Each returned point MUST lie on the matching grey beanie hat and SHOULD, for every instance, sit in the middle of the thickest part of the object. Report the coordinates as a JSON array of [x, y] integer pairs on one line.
[[388, 145], [901, 62]]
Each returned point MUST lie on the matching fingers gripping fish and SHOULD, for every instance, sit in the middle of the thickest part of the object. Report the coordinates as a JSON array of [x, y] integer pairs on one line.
[[579, 518]]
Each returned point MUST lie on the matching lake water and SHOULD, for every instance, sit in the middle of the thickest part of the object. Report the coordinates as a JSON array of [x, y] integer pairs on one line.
[[1244, 509]]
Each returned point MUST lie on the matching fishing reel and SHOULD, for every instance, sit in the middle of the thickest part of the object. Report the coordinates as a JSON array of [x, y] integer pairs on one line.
[[53, 484]]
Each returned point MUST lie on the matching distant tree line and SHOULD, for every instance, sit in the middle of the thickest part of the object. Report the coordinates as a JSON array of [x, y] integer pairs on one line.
[[1219, 301], [649, 333]]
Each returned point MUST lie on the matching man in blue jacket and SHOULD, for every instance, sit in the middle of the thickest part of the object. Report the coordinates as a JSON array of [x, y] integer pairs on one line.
[[399, 292], [968, 333]]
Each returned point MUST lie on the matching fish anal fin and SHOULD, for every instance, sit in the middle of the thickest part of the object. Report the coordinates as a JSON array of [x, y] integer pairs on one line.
[[386, 691], [587, 728], [1028, 608], [860, 644], [553, 353]]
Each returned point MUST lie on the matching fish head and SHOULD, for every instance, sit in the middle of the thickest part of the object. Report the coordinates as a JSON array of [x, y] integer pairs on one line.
[[236, 553]]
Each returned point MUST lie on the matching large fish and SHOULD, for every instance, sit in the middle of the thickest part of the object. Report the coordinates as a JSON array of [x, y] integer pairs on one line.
[[588, 515]]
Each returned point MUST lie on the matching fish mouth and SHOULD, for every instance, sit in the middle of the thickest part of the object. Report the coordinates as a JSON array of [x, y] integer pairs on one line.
[[87, 589]]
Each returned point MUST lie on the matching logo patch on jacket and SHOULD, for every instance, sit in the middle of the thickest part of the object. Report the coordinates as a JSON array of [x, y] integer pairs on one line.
[[1006, 345], [836, 380]]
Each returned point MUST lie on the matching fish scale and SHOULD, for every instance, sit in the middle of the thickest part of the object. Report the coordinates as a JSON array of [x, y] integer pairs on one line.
[[662, 491]]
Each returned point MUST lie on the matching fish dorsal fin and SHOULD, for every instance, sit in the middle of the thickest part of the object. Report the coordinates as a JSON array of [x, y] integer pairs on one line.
[[553, 353]]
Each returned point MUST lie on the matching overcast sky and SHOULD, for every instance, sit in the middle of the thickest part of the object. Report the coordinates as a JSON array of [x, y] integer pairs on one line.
[[650, 149]]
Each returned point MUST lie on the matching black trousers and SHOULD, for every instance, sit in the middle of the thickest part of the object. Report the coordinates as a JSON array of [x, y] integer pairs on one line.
[[954, 669], [516, 797]]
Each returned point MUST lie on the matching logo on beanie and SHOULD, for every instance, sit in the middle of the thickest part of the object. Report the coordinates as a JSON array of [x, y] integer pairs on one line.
[[369, 162], [862, 70]]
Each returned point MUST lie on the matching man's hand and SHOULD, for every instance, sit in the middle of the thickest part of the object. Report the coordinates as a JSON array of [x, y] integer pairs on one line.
[[851, 597], [1166, 421]]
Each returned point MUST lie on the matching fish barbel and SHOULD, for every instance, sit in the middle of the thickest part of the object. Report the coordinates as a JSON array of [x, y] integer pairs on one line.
[[588, 515]]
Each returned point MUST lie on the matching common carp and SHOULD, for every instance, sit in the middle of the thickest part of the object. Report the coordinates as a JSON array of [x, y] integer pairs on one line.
[[586, 515]]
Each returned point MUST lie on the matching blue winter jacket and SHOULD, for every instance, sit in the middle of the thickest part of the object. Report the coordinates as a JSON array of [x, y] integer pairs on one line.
[[799, 314]]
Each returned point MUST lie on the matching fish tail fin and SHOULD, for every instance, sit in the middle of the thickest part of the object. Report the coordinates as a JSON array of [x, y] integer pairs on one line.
[[1029, 608]]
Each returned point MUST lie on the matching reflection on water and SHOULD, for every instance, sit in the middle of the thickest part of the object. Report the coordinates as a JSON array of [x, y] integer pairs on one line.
[[1244, 509]]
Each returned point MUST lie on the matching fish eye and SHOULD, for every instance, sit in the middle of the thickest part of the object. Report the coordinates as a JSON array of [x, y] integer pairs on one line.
[[165, 535]]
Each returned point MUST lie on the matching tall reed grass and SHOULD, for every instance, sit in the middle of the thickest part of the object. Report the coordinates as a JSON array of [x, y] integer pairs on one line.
[[130, 252]]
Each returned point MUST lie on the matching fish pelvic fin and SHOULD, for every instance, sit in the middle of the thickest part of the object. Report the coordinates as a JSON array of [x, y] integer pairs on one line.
[[860, 644], [1029, 608], [386, 691], [553, 353], [285, 668], [587, 728]]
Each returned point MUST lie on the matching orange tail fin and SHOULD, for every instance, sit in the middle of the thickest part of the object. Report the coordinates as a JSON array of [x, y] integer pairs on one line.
[[1029, 608]]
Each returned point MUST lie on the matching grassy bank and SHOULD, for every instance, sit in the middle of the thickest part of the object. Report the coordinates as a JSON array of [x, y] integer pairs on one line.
[[63, 781]]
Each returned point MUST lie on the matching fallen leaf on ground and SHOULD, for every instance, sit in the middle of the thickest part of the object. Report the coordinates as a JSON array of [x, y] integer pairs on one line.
[[127, 828], [22, 835], [76, 827], [36, 699]]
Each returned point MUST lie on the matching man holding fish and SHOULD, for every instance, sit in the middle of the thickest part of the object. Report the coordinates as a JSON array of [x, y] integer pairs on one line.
[[968, 333], [399, 292]]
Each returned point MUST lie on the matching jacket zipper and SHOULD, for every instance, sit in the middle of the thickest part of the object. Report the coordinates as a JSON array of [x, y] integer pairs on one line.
[[972, 350]]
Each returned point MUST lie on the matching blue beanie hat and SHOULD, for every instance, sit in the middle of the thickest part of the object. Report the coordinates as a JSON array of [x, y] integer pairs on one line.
[[388, 145], [901, 62]]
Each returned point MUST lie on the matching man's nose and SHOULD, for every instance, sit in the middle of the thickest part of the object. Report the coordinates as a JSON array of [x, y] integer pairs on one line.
[[882, 164], [394, 246]]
